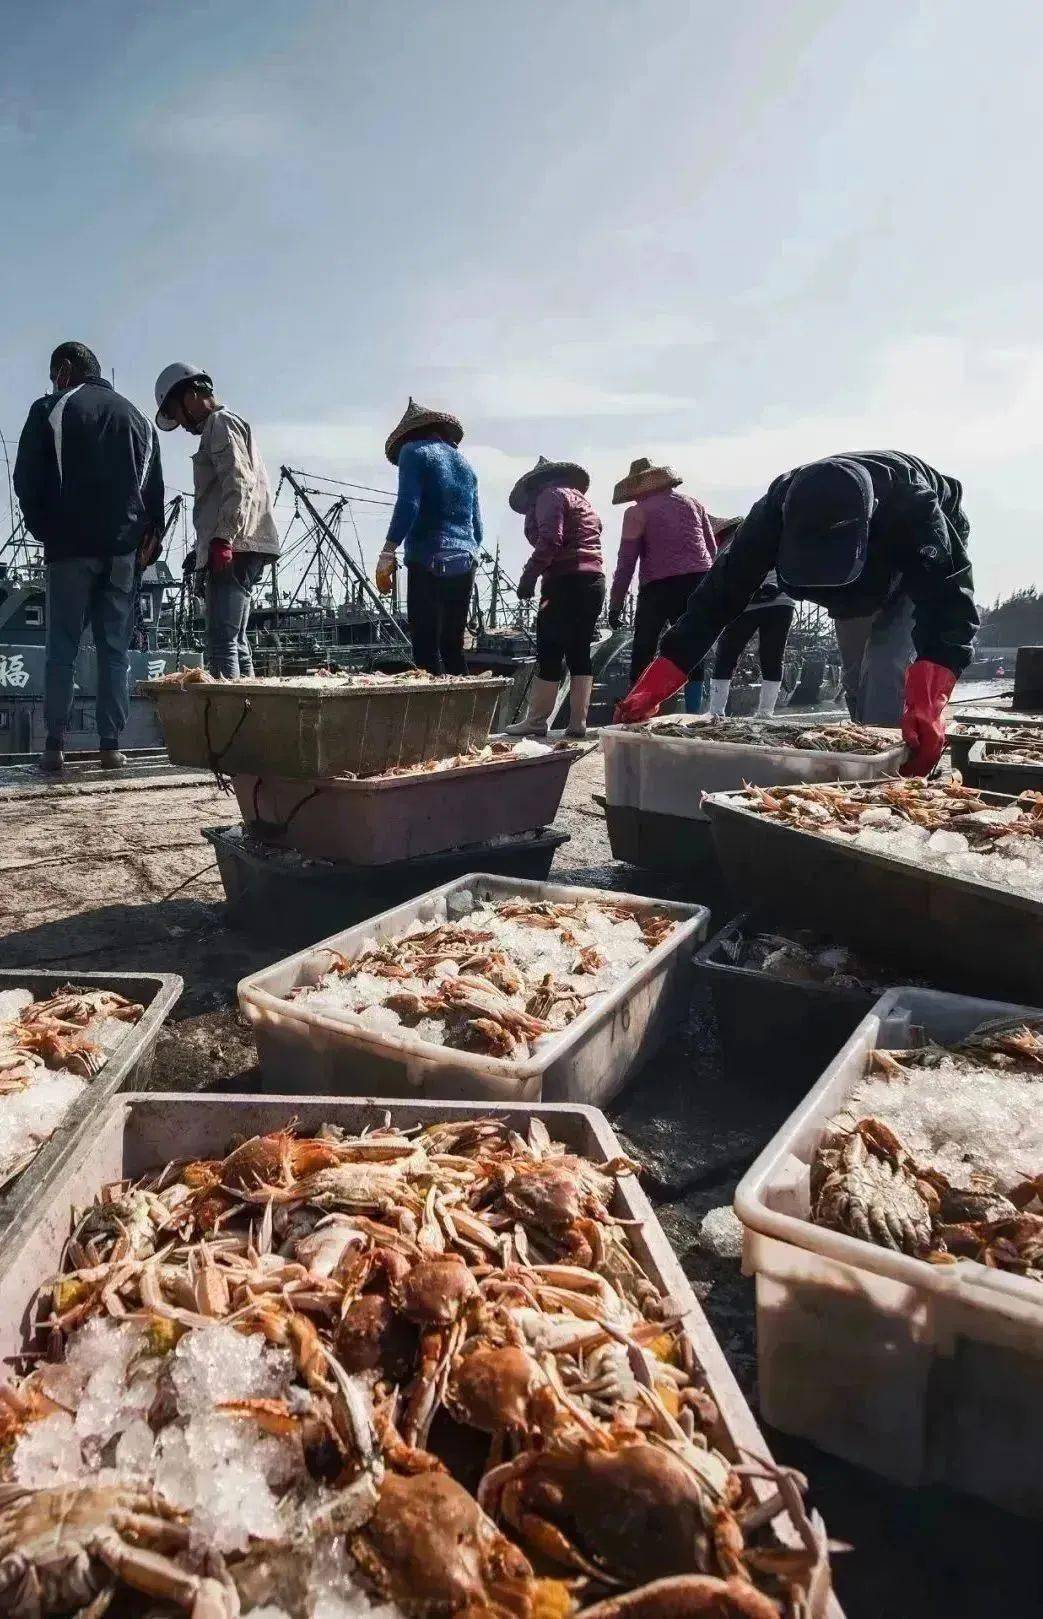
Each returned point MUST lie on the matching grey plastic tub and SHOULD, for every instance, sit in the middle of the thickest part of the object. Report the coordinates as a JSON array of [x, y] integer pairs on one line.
[[923, 1373], [137, 1133], [311, 732], [989, 765], [929, 923], [314, 1049], [278, 895], [130, 1064], [387, 818]]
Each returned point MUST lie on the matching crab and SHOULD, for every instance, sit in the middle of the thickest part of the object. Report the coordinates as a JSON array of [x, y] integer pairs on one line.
[[64, 1548], [493, 1387], [553, 1000], [279, 1159], [430, 1548], [552, 1195], [496, 967], [435, 1295], [863, 1183], [77, 1008], [60, 1049], [1013, 1243], [619, 1508]]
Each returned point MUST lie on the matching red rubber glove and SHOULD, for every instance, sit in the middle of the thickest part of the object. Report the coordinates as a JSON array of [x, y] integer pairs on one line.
[[660, 680], [220, 555], [928, 687]]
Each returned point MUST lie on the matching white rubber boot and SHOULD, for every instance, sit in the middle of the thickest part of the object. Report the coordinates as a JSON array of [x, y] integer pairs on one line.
[[719, 690], [769, 696], [543, 697], [580, 689]]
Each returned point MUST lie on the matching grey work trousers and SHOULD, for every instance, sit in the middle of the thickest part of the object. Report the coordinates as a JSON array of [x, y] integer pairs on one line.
[[101, 590], [875, 652], [229, 596]]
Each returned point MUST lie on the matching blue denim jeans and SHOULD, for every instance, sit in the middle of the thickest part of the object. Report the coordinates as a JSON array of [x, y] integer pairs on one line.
[[101, 591], [228, 601]]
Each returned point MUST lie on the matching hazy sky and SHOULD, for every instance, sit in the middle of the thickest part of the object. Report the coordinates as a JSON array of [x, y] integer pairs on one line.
[[732, 236]]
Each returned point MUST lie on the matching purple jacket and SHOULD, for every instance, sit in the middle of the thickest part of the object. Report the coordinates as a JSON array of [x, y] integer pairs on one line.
[[564, 531], [671, 533]]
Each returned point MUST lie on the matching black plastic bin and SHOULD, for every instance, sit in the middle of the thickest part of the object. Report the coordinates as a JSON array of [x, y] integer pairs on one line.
[[774, 1030], [129, 1066], [948, 929], [987, 767], [960, 746], [279, 895]]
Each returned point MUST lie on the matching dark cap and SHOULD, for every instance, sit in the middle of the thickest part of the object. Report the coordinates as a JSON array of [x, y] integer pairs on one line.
[[825, 525]]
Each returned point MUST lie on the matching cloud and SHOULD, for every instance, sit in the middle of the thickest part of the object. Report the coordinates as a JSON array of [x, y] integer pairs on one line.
[[554, 395], [225, 134]]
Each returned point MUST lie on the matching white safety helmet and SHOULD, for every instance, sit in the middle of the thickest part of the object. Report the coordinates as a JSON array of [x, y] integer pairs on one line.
[[168, 380]]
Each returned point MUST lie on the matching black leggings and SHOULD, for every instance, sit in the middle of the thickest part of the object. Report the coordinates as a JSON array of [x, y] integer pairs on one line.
[[569, 611], [659, 604], [772, 623], [436, 606]]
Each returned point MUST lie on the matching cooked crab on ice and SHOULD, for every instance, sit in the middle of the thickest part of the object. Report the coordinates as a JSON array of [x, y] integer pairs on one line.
[[421, 1369], [49, 1050], [938, 1153], [498, 977]]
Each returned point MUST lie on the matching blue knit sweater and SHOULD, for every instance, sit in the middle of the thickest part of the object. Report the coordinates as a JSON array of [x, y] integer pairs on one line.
[[436, 513]]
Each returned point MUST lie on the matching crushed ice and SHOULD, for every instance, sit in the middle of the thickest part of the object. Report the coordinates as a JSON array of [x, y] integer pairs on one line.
[[30, 1116], [720, 1233], [534, 951], [960, 1118]]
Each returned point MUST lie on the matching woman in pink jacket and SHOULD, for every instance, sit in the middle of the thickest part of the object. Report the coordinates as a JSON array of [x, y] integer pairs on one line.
[[672, 537], [564, 531]]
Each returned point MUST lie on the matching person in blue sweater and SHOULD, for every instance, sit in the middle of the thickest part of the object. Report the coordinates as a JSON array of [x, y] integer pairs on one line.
[[438, 521]]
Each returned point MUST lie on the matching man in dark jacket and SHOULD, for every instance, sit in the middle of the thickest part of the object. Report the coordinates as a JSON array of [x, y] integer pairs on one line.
[[880, 540], [90, 483]]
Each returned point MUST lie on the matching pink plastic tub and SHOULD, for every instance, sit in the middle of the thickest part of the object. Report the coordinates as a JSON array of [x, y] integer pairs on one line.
[[385, 818]]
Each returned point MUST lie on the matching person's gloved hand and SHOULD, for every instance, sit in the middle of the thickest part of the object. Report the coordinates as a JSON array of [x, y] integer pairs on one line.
[[615, 617], [660, 680], [526, 589], [928, 687], [385, 572], [220, 555]]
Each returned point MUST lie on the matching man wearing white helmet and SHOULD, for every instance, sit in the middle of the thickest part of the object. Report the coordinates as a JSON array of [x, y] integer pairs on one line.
[[235, 528]]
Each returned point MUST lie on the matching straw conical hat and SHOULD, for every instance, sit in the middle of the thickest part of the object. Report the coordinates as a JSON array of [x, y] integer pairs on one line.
[[644, 479], [417, 416], [570, 473]]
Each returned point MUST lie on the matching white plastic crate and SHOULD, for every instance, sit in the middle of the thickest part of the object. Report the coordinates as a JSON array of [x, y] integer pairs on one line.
[[314, 1049], [667, 775], [139, 1132], [923, 1373]]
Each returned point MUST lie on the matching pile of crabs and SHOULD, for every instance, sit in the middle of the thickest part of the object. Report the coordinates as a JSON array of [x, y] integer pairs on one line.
[[506, 976], [57, 1033], [498, 752], [421, 1368], [49, 1050], [867, 1182], [889, 806], [847, 738]]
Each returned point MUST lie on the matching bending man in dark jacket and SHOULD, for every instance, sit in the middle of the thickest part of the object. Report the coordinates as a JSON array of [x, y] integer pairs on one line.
[[880, 540], [90, 483]]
